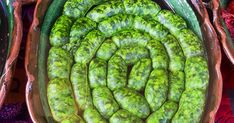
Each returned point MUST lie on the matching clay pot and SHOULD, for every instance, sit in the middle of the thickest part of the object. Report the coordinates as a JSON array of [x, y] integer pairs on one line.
[[224, 35], [12, 36], [37, 53]]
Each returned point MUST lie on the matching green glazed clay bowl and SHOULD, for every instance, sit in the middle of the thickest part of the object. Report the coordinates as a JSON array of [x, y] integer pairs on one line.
[[38, 50]]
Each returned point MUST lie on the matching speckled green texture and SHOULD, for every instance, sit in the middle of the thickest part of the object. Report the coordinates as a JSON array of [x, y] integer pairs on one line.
[[60, 99], [176, 85], [107, 49], [124, 116], [79, 30], [91, 115], [157, 88], [97, 73], [132, 101], [164, 114], [89, 46], [116, 23], [59, 34], [190, 43], [158, 54], [172, 21], [131, 54], [73, 119], [104, 101], [200, 78], [191, 107], [59, 63], [154, 28], [117, 73], [175, 53], [139, 74], [106, 10], [145, 8], [81, 86], [131, 37]]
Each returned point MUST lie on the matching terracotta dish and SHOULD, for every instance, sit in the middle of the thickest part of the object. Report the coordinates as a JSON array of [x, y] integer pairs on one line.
[[37, 52]]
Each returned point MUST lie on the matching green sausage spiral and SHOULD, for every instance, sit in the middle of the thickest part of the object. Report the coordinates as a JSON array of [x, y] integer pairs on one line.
[[125, 61]]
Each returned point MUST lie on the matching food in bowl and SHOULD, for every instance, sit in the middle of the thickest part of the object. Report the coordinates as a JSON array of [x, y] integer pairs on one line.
[[125, 61]]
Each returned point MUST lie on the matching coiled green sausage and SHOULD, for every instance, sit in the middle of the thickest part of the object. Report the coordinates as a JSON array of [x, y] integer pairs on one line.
[[132, 101], [91, 115], [89, 46], [116, 23], [59, 34], [191, 107], [172, 21], [157, 88], [79, 29], [60, 99], [107, 50], [164, 114], [124, 116], [80, 84], [117, 73], [145, 8], [97, 73], [158, 54], [197, 73], [131, 37], [105, 10], [139, 74], [104, 101], [59, 63]]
